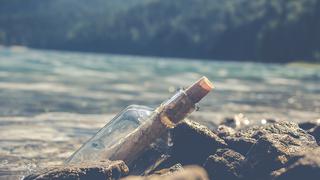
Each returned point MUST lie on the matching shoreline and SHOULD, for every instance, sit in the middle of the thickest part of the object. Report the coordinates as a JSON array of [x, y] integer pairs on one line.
[[20, 48]]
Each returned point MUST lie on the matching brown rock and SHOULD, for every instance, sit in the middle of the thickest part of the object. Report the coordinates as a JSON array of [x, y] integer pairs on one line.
[[189, 173], [193, 143], [147, 161], [225, 164], [305, 166], [273, 151], [242, 140], [105, 170]]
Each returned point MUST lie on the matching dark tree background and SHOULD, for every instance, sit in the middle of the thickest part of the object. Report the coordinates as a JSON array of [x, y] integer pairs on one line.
[[257, 30]]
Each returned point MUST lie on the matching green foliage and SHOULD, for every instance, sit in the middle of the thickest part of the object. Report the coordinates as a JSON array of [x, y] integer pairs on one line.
[[268, 30]]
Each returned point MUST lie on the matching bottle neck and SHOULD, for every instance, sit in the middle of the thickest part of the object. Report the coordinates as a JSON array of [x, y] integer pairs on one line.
[[175, 109]]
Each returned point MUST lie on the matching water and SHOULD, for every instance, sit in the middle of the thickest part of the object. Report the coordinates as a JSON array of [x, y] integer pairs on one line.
[[52, 102]]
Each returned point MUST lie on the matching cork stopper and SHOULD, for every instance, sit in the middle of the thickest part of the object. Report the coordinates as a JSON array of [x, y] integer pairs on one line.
[[199, 89]]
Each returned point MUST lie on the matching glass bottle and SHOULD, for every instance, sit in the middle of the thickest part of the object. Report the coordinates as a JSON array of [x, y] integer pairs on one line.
[[127, 135]]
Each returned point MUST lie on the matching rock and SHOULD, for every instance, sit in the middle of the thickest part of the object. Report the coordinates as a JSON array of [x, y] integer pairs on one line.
[[242, 140], [306, 165], [104, 170], [167, 162], [286, 128], [224, 131], [225, 164], [272, 151], [147, 161], [193, 143], [189, 173]]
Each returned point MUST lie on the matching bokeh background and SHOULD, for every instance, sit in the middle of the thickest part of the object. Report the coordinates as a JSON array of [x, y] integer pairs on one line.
[[261, 30]]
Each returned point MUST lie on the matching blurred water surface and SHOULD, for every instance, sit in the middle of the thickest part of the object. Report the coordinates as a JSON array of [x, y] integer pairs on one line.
[[52, 101]]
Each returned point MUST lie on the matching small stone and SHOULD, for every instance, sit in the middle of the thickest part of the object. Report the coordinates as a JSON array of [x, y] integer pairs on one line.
[[225, 164], [188, 173], [193, 143], [306, 166], [104, 170]]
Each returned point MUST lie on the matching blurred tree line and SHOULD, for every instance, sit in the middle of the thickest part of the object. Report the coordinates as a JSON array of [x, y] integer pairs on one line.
[[260, 30]]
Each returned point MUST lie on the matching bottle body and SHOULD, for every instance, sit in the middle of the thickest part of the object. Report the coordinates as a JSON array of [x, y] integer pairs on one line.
[[111, 134]]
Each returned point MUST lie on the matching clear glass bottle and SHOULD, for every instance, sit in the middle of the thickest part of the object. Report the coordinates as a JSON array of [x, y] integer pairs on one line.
[[127, 135]]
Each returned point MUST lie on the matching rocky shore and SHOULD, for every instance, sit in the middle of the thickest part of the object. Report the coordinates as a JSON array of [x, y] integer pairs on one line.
[[275, 150]]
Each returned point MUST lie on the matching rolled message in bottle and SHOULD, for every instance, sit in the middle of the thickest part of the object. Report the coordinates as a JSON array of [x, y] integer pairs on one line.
[[167, 115]]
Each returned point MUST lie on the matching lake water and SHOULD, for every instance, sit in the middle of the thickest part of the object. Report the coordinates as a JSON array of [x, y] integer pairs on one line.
[[52, 101]]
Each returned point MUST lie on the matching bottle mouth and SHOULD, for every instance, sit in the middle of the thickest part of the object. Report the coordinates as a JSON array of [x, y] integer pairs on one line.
[[183, 102], [205, 83], [199, 89]]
